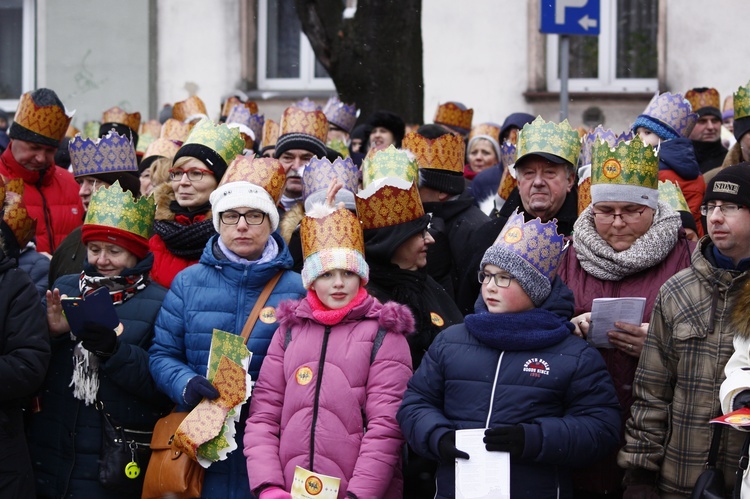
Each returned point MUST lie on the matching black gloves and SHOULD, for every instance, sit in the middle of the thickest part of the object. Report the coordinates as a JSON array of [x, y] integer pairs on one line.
[[505, 439], [447, 447], [98, 339], [741, 400], [199, 388]]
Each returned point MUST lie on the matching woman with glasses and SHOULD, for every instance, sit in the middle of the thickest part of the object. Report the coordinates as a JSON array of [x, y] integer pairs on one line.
[[219, 293], [626, 243], [183, 222]]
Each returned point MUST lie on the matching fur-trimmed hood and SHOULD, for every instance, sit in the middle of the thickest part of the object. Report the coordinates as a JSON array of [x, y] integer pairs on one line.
[[393, 317], [740, 317], [163, 196], [291, 220]]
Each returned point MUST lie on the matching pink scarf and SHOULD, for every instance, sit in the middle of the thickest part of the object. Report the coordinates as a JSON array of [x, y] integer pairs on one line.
[[328, 316]]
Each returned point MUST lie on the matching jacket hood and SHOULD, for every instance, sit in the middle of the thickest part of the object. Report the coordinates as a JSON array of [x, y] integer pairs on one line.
[[291, 220], [450, 209], [262, 271], [678, 155]]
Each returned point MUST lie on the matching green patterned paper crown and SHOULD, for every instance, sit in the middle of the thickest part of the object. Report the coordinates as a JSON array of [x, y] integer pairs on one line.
[[742, 102], [227, 142], [113, 207], [670, 193], [548, 137], [633, 163], [390, 162]]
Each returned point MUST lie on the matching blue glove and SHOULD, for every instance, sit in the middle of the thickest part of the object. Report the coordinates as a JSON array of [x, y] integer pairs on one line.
[[98, 339], [505, 439], [197, 389]]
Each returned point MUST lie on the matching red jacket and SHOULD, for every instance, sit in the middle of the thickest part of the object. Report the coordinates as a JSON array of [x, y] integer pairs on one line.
[[166, 264], [52, 200]]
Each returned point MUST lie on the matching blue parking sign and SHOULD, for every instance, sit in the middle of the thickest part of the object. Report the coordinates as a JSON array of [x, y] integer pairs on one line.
[[570, 17]]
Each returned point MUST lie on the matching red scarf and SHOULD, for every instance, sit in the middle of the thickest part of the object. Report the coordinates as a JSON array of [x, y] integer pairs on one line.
[[332, 316]]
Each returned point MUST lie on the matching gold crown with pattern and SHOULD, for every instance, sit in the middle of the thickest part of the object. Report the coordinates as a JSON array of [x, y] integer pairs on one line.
[[452, 115], [388, 202], [389, 162], [113, 207], [267, 173], [742, 102], [150, 127], [16, 216], [340, 229], [225, 141], [236, 101], [584, 193], [670, 193], [633, 163], [161, 147], [708, 97], [2, 192], [507, 183], [488, 129], [71, 131], [50, 121], [118, 115], [551, 138], [270, 133], [113, 153], [297, 120], [176, 131], [443, 153], [189, 109]]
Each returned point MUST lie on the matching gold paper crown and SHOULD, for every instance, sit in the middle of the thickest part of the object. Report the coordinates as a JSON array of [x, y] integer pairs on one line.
[[270, 133], [551, 138], [266, 173], [189, 109], [161, 147], [388, 202], [670, 193], [742, 102], [226, 141], [584, 193], [489, 129], [707, 98], [452, 115], [507, 184], [340, 229], [390, 162], [16, 216], [48, 121], [151, 127], [296, 120], [2, 192], [71, 131], [117, 115], [633, 163], [443, 153], [176, 131], [236, 101], [113, 207]]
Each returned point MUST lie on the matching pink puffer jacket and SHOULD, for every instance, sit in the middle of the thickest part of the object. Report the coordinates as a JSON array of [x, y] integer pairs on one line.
[[341, 413]]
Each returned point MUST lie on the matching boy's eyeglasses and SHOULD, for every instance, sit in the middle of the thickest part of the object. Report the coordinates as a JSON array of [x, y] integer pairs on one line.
[[727, 209], [501, 280]]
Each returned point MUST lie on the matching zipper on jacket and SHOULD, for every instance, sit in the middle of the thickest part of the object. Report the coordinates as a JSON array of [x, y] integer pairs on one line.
[[318, 383], [45, 210], [494, 386]]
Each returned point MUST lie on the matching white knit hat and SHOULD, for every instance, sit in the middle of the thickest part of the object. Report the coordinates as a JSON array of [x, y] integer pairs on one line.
[[243, 194]]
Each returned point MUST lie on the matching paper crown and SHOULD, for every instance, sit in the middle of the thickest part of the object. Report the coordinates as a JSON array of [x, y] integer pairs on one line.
[[599, 133], [71, 131], [51, 122], [16, 216], [241, 115], [189, 109], [339, 146], [340, 229], [708, 97], [113, 207], [320, 171], [91, 130], [266, 173], [233, 101], [670, 193], [443, 153], [270, 134], [742, 102], [2, 192], [507, 183], [113, 153], [143, 142], [161, 147], [489, 129], [297, 120], [225, 141], [551, 138], [342, 115], [389, 162], [508, 152], [672, 110], [536, 242], [176, 131], [117, 115], [307, 105], [150, 127], [633, 163], [452, 115], [584, 192], [387, 202]]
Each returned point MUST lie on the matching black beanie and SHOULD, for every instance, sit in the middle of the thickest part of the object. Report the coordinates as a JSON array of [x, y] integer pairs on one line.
[[382, 243], [741, 127], [442, 180], [42, 97], [688, 220], [731, 184], [432, 131], [391, 122], [302, 141], [206, 155]]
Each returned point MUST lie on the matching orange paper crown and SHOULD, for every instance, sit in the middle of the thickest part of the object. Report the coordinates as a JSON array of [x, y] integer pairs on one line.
[[161, 147], [71, 131], [16, 216], [340, 229], [270, 133], [266, 173], [296, 120], [117, 115], [707, 98], [507, 184], [584, 193], [452, 115], [489, 129], [150, 127], [387, 202], [189, 109], [443, 153], [50, 122], [236, 101], [176, 131]]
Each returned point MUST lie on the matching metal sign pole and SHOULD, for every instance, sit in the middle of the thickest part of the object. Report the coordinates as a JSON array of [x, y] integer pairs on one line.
[[564, 75]]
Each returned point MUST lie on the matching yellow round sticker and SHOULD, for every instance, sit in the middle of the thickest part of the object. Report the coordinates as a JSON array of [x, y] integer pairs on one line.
[[436, 319], [313, 485], [303, 375], [611, 168], [513, 235], [268, 315]]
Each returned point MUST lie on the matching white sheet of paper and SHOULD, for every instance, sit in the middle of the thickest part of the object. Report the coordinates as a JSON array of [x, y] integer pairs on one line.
[[606, 311], [485, 475]]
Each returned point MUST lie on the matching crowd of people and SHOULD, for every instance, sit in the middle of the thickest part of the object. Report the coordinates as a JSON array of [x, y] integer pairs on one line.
[[396, 287]]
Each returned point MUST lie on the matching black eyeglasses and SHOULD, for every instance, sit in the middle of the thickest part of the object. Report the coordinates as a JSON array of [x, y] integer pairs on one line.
[[193, 174], [501, 280], [727, 209], [628, 217], [251, 217]]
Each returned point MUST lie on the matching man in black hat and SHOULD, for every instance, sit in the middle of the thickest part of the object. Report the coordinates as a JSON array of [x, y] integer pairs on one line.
[[706, 134]]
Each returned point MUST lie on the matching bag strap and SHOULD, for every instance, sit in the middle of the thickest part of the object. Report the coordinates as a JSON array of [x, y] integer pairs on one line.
[[742, 467], [713, 452], [259, 303]]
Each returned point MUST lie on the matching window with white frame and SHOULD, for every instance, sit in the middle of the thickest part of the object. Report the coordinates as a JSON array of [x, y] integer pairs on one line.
[[623, 58], [16, 51], [286, 60]]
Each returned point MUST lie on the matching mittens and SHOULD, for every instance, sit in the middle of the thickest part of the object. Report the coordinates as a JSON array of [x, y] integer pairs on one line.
[[197, 389], [98, 339]]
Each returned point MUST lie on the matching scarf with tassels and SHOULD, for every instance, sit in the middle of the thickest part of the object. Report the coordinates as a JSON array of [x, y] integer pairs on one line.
[[332, 316], [533, 329]]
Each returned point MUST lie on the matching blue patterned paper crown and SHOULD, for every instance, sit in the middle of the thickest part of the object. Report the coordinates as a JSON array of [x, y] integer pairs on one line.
[[600, 133], [113, 153], [507, 153], [671, 110], [307, 105], [320, 171], [241, 115], [342, 115]]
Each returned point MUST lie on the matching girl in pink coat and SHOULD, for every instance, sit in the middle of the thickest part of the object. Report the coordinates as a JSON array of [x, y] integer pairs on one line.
[[335, 374]]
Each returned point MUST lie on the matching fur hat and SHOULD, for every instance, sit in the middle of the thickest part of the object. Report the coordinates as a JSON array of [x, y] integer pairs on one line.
[[391, 122]]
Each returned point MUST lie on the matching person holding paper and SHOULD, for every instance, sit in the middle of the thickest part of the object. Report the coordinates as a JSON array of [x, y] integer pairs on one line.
[[336, 371], [514, 367], [99, 367], [626, 243]]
